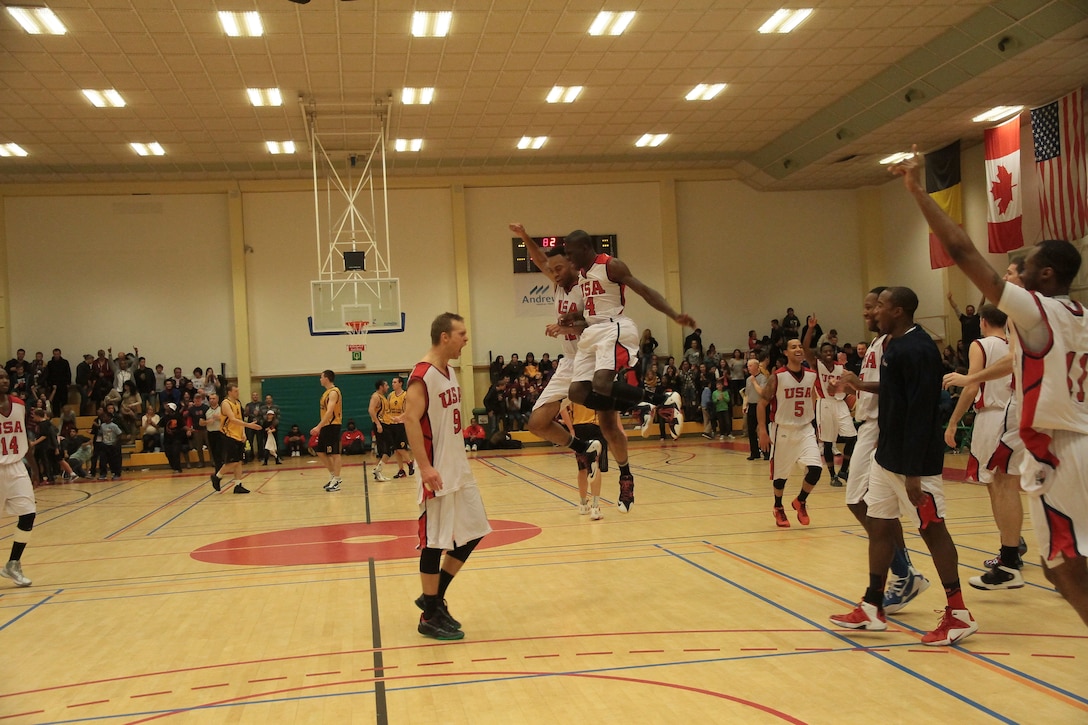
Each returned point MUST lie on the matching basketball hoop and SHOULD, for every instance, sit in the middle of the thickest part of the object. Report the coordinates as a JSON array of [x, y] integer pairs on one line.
[[357, 328]]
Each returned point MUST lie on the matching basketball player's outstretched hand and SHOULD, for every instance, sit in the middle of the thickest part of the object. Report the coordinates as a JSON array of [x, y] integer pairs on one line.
[[432, 481], [517, 228], [686, 320], [908, 168]]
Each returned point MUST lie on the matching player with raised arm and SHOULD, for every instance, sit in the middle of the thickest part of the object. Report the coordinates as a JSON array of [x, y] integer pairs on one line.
[[603, 376], [1051, 362], [451, 512], [567, 327], [788, 400]]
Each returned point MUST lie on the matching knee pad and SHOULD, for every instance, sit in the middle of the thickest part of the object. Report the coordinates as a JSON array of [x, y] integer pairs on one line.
[[779, 484], [461, 553], [813, 475], [596, 401], [430, 561], [25, 522]]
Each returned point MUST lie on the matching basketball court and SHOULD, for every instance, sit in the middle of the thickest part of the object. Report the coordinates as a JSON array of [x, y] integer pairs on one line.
[[155, 598]]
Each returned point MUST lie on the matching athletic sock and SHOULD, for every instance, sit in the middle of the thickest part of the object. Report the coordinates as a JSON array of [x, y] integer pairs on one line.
[[803, 495], [625, 469], [778, 501], [444, 579], [17, 550], [874, 594], [430, 605], [900, 563], [954, 595], [577, 445], [1010, 556]]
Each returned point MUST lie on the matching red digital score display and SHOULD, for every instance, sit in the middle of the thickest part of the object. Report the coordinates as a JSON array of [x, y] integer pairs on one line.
[[523, 264]]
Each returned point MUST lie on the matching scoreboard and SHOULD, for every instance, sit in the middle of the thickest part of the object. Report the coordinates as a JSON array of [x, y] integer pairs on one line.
[[603, 243]]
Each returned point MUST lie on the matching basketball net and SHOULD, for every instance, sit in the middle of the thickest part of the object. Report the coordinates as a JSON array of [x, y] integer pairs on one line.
[[357, 329]]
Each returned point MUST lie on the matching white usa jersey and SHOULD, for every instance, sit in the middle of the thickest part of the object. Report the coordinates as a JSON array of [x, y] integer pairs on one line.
[[1058, 399], [441, 423], [993, 394], [604, 299], [567, 301], [794, 400], [866, 408], [825, 379], [13, 433]]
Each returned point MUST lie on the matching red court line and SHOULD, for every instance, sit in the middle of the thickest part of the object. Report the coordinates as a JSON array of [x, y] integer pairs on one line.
[[732, 698], [645, 651], [22, 714], [931, 651], [433, 664], [587, 654], [208, 687], [489, 659], [322, 674], [267, 679], [92, 702], [1064, 657], [1021, 679], [537, 657], [151, 694]]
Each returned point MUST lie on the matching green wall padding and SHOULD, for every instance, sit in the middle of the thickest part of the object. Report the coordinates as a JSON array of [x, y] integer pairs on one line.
[[299, 395]]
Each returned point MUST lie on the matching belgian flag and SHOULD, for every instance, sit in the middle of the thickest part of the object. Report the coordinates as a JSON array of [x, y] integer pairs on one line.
[[943, 186]]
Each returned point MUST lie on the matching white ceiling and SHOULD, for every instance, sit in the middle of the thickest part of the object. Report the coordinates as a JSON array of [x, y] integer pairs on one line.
[[796, 104]]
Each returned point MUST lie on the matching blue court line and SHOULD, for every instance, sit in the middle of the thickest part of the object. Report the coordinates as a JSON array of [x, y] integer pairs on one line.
[[906, 670], [154, 511], [534, 485], [984, 658], [19, 616], [181, 513]]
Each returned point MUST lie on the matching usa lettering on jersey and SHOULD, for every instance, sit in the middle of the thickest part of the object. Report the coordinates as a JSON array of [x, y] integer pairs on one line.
[[7, 427], [450, 396]]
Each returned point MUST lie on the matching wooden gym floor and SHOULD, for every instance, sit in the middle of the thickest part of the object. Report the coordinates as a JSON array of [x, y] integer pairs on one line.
[[156, 599]]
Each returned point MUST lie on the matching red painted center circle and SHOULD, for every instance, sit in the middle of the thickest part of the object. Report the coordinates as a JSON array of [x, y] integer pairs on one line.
[[342, 543]]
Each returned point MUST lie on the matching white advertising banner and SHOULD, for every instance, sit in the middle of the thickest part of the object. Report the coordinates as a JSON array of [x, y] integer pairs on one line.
[[533, 296]]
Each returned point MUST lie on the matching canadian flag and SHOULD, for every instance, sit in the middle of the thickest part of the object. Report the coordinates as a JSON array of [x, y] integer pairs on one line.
[[1004, 214]]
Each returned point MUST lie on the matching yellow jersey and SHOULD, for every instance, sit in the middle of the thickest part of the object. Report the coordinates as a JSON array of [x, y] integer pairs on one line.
[[338, 410], [233, 428]]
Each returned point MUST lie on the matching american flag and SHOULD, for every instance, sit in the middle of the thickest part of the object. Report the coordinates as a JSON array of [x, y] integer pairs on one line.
[[1058, 131]]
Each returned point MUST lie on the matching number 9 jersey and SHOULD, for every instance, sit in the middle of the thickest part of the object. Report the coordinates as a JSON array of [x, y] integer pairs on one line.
[[441, 424]]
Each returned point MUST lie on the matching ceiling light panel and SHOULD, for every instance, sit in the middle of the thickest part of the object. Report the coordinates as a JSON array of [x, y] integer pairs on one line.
[[420, 96], [563, 94], [104, 99], [997, 113], [37, 20], [241, 24], [895, 158], [705, 92], [148, 149], [532, 142], [280, 147], [607, 23], [784, 20], [265, 96], [431, 25], [651, 140], [408, 144], [12, 149]]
